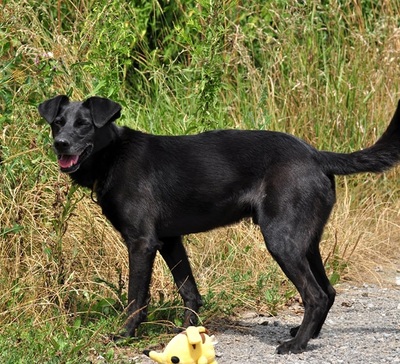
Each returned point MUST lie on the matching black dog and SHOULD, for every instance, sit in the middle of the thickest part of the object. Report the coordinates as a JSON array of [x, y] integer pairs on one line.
[[154, 189]]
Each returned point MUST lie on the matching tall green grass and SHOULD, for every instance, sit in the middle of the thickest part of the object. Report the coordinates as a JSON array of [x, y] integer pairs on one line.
[[327, 72]]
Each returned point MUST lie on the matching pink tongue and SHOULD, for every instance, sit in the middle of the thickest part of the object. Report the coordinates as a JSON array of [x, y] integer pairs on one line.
[[66, 161]]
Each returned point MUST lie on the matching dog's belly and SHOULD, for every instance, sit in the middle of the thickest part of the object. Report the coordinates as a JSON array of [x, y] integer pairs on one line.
[[188, 222]]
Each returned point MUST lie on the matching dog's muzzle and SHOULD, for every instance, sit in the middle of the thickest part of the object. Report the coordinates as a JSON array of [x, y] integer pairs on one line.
[[70, 163]]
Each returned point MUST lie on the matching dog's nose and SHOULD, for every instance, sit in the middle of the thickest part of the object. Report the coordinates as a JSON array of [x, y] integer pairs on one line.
[[61, 143]]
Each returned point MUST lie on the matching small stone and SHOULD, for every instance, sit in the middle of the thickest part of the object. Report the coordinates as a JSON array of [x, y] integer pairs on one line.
[[347, 304]]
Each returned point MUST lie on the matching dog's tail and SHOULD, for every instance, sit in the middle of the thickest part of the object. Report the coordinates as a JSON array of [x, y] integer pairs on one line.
[[381, 156]]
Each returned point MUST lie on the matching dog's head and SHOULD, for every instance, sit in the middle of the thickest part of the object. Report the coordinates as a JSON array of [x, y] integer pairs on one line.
[[77, 126]]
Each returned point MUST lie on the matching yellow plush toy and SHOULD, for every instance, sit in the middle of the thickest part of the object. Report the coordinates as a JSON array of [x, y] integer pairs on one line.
[[192, 346]]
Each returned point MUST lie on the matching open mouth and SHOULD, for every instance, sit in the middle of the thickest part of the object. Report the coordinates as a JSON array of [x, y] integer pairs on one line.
[[70, 163]]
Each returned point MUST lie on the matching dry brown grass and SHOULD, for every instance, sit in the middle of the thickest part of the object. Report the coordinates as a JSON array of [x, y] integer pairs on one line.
[[365, 227]]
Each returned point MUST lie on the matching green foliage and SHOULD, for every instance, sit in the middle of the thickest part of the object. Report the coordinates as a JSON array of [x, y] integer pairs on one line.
[[70, 343]]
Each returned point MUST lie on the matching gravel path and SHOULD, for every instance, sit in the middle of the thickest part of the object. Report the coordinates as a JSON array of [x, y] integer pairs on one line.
[[363, 326]]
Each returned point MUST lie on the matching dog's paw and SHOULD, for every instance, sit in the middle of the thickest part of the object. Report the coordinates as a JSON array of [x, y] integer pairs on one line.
[[123, 336], [290, 347]]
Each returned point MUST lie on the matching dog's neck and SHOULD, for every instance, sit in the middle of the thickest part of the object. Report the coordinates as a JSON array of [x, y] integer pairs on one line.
[[92, 171]]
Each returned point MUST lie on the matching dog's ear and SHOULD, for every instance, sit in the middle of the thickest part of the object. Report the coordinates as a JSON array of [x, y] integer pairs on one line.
[[49, 108], [103, 110]]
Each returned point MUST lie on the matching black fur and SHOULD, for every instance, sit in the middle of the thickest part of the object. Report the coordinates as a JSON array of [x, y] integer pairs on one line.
[[155, 189]]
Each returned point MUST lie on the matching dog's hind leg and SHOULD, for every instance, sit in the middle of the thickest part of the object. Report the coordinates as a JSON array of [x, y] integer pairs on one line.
[[314, 256], [291, 220], [175, 256], [298, 270], [288, 250], [317, 267]]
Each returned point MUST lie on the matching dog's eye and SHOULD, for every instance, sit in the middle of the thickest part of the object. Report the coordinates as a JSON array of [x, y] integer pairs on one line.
[[58, 122], [80, 122]]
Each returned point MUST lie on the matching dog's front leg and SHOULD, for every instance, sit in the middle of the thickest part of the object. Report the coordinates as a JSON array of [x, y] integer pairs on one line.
[[142, 252], [176, 258]]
